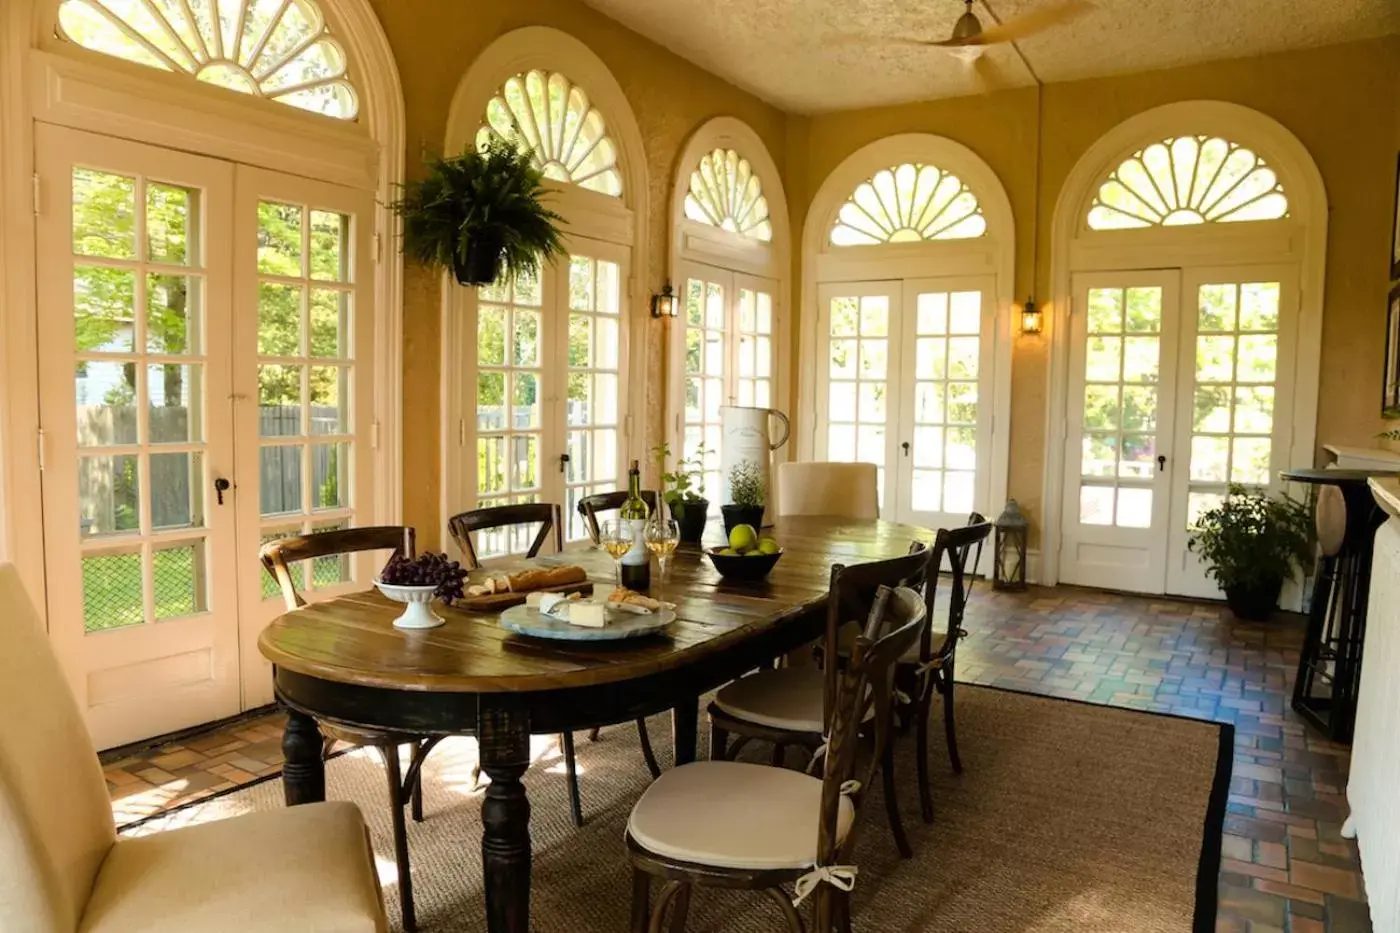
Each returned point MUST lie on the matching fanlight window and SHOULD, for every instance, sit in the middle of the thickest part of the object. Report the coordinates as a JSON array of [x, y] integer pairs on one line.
[[552, 118], [1188, 180], [908, 203], [278, 49], [725, 192]]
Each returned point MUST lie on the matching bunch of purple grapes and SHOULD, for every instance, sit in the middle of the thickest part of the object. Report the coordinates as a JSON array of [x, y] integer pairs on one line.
[[428, 569]]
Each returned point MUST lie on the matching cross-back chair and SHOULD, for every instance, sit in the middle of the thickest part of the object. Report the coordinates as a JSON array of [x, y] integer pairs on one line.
[[695, 826], [590, 507], [791, 706], [405, 787]]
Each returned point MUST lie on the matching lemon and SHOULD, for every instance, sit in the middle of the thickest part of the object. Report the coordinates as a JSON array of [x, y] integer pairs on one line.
[[743, 538], [768, 546], [728, 552]]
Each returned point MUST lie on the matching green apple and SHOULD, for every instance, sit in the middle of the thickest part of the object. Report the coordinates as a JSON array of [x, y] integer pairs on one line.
[[768, 546], [743, 538], [727, 552]]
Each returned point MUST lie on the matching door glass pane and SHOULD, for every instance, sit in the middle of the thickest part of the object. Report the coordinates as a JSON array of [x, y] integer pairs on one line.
[[858, 353], [593, 410], [1119, 406], [755, 351], [705, 371], [1234, 386], [947, 359]]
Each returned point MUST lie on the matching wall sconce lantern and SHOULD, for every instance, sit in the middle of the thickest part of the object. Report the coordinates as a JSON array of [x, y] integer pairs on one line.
[[1030, 317], [665, 304], [1009, 559]]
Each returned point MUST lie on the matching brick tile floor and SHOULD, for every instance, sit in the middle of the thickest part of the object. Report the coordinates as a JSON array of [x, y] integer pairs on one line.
[[1285, 866]]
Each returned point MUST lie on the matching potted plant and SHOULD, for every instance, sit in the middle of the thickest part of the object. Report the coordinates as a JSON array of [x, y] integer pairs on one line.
[[1251, 543], [746, 494], [680, 490], [479, 214]]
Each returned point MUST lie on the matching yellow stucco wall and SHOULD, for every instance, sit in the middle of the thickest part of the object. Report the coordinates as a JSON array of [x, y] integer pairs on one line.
[[434, 42], [1337, 100]]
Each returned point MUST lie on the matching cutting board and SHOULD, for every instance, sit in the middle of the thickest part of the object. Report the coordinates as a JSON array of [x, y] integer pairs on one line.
[[495, 602]]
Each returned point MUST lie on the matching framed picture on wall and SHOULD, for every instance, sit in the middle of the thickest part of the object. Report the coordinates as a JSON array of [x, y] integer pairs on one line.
[[1390, 392], [1395, 228]]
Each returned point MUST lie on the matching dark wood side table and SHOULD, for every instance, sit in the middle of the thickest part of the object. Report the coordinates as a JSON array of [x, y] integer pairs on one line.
[[1329, 666]]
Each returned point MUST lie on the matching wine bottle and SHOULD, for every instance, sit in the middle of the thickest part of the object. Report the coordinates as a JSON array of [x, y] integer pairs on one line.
[[636, 563]]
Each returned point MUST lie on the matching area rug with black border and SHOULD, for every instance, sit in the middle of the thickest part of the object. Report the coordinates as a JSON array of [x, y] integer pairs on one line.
[[1068, 816]]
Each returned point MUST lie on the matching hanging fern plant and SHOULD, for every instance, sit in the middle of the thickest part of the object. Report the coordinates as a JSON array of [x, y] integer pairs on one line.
[[479, 214]]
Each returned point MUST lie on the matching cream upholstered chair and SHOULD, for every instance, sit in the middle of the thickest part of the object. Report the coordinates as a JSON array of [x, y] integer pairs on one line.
[[62, 869], [848, 490]]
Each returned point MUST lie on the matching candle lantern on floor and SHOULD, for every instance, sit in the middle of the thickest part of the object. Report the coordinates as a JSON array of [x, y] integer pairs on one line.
[[1009, 563]]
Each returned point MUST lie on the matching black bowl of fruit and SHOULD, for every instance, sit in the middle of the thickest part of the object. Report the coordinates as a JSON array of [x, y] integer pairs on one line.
[[748, 557], [417, 583]]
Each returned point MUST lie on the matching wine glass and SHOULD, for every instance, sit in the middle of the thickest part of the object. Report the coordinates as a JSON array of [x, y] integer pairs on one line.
[[662, 537], [616, 538]]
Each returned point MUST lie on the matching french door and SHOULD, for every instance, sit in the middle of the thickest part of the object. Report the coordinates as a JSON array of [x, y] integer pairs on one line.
[[905, 384], [726, 357], [550, 389], [181, 337], [1181, 384]]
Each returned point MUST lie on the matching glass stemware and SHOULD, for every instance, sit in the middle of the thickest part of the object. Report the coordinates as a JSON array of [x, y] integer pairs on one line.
[[615, 536], [662, 537]]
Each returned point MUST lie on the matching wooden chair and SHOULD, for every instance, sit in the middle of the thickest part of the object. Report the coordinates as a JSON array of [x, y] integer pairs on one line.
[[405, 789], [545, 514], [62, 867], [848, 490], [462, 525], [695, 824], [589, 508], [792, 705]]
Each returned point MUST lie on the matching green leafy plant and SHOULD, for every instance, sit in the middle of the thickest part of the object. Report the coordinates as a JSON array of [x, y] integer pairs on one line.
[[680, 486], [746, 486], [480, 213], [1394, 433], [1251, 538]]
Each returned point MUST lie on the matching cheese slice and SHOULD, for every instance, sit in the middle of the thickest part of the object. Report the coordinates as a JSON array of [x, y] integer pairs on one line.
[[588, 614]]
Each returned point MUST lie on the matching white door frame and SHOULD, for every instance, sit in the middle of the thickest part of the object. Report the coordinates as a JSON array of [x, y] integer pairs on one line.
[[588, 214], [1300, 240], [992, 254], [44, 78]]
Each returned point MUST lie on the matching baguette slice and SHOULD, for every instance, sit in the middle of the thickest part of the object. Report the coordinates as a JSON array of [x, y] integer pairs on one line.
[[527, 580]]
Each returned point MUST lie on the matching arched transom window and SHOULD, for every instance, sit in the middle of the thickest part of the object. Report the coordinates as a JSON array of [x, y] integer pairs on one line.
[[551, 116], [1187, 180], [908, 203], [278, 49], [725, 192]]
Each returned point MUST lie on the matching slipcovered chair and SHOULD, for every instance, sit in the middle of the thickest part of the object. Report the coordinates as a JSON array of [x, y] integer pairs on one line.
[[306, 869], [846, 490]]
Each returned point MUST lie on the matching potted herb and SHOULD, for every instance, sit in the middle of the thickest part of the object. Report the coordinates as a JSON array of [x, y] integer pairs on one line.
[[1251, 543], [747, 490], [680, 490], [480, 213]]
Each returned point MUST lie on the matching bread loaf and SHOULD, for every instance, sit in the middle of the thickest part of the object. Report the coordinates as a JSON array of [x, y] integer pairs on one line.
[[527, 580]]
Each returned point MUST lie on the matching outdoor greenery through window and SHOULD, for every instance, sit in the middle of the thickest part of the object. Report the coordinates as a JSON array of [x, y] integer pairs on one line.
[[278, 49], [725, 193], [547, 115], [1187, 180], [906, 204]]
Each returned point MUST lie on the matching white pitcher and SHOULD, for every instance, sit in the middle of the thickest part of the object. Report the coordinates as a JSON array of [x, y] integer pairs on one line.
[[746, 435]]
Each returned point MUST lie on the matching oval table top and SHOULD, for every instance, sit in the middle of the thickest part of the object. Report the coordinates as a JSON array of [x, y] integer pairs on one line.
[[350, 639]]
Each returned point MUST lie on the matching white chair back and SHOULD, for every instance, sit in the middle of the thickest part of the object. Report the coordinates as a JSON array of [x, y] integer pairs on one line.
[[845, 490], [55, 814]]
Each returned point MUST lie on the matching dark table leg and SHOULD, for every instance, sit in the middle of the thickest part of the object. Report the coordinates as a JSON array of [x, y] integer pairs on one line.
[[685, 722], [504, 736], [304, 770]]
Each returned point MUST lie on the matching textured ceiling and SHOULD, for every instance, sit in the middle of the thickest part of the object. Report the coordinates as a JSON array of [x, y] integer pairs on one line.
[[790, 53]]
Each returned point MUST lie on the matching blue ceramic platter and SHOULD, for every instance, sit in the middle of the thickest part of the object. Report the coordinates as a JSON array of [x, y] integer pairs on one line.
[[523, 620]]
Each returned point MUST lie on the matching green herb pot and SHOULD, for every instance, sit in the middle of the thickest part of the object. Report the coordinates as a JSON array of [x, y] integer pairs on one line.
[[691, 519], [482, 263], [1254, 602], [735, 515]]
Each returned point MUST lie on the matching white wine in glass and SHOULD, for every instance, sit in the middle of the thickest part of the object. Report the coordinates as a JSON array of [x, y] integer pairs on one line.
[[616, 538], [662, 536]]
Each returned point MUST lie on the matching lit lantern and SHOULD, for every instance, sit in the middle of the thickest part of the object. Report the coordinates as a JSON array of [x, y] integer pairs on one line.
[[1009, 564]]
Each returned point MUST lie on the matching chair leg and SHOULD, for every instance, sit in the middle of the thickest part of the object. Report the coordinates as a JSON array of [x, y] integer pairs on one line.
[[641, 900], [843, 911], [901, 841], [647, 754], [594, 733], [571, 775], [719, 742], [778, 753], [925, 702], [414, 778], [681, 909], [790, 914], [390, 753], [950, 726], [669, 890]]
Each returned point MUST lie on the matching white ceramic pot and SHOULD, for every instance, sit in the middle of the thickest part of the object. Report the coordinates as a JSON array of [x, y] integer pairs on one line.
[[419, 599], [747, 434]]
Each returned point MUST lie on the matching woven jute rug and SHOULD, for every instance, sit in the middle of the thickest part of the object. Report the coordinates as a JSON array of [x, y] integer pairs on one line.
[[1068, 817]]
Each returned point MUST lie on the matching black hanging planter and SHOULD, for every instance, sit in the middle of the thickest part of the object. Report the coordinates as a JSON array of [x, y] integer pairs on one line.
[[735, 515], [1254, 602], [481, 264], [691, 519]]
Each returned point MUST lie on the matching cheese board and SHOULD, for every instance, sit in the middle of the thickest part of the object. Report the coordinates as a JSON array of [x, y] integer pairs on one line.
[[525, 620], [496, 602]]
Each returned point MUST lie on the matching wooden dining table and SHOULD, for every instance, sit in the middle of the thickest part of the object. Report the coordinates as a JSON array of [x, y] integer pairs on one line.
[[341, 662]]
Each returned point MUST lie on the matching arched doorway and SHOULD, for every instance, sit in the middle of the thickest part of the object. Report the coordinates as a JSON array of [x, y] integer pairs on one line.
[[906, 362], [1188, 265]]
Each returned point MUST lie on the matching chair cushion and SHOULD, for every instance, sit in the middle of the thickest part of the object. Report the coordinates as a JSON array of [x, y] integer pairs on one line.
[[303, 869], [732, 814], [785, 698]]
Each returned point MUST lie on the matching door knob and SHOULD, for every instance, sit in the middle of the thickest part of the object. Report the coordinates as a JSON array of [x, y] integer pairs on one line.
[[1161, 463], [221, 486], [905, 445], [563, 462]]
